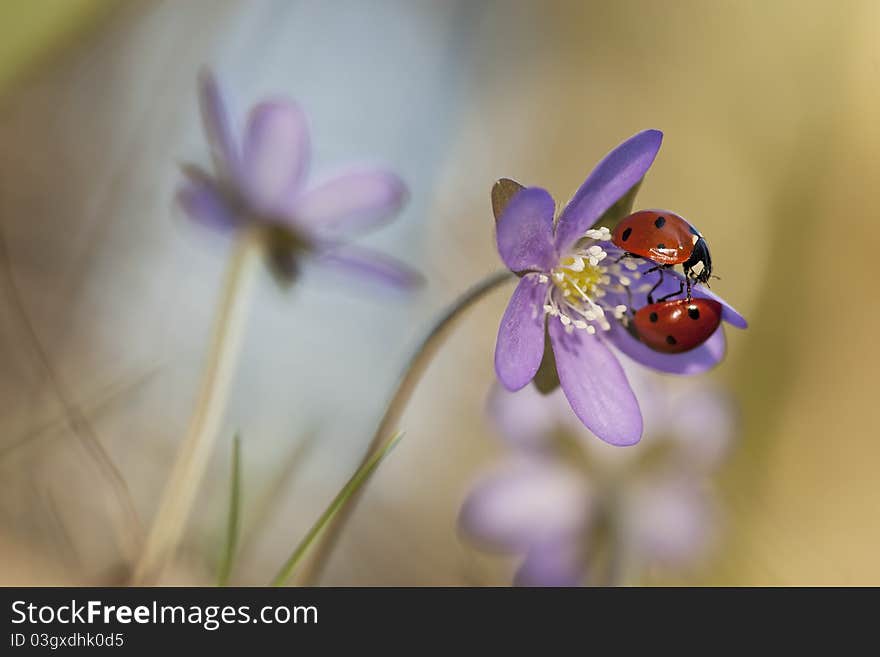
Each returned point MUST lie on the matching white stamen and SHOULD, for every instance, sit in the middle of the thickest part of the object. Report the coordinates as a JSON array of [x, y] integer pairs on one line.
[[581, 285]]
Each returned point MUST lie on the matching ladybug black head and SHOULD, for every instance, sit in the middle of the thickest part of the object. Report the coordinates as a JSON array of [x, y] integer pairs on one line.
[[699, 265]]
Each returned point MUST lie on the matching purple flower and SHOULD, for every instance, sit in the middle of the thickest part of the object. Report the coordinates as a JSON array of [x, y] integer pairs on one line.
[[260, 180], [576, 289], [564, 501]]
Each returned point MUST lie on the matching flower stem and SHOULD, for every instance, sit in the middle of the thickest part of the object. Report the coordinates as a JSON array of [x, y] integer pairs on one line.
[[358, 480], [233, 520], [410, 377], [193, 454]]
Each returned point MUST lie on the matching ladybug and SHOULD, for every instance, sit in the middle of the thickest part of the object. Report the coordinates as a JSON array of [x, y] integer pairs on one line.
[[667, 240], [678, 325]]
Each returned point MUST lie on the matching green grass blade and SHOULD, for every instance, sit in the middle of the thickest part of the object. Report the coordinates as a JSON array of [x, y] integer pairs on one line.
[[232, 527], [357, 480]]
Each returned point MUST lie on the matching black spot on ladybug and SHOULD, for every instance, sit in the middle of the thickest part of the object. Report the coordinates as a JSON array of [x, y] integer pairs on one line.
[[626, 234], [693, 312], [661, 246], [653, 317], [660, 222], [671, 340]]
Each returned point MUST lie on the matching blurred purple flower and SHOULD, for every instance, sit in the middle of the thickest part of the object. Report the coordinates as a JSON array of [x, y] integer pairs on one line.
[[260, 179], [562, 493], [571, 272]]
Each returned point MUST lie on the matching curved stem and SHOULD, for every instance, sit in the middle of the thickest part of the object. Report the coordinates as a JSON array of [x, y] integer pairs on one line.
[[358, 479], [410, 377], [193, 454]]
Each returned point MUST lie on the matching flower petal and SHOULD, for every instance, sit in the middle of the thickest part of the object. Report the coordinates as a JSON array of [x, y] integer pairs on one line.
[[375, 267], [527, 419], [520, 344], [525, 503], [553, 563], [202, 200], [673, 281], [525, 231], [596, 386], [695, 361], [669, 521], [615, 175], [217, 126], [352, 201], [728, 312], [701, 420], [275, 154]]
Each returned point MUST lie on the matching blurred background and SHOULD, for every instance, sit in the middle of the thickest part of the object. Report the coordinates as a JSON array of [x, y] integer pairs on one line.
[[772, 148]]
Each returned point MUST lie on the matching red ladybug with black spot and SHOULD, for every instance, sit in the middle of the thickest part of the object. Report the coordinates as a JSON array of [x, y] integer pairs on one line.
[[676, 326], [666, 239]]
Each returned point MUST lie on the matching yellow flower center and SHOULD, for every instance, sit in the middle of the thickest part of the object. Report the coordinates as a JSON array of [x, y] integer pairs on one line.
[[576, 277]]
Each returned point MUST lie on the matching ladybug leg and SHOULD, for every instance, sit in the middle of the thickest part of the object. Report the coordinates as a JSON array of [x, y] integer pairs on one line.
[[659, 282], [677, 292], [629, 302], [625, 254]]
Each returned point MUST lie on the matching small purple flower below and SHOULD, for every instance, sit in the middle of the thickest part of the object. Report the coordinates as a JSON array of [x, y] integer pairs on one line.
[[579, 511], [577, 290], [260, 180]]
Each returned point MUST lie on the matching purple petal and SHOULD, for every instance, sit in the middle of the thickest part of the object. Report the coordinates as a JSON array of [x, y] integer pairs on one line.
[[202, 201], [527, 419], [695, 361], [525, 503], [525, 231], [218, 129], [275, 154], [612, 178], [670, 521], [352, 201], [520, 344], [702, 422], [596, 386], [728, 312], [375, 267], [554, 563], [672, 282]]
